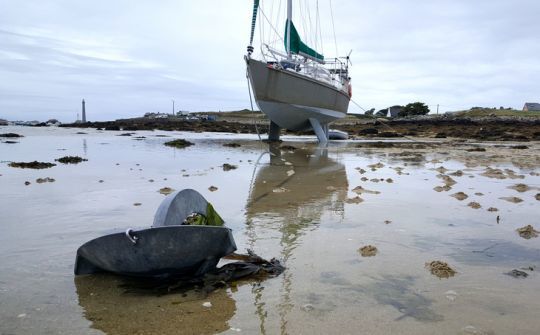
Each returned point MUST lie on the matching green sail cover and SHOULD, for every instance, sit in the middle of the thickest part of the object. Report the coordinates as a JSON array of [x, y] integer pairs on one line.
[[297, 45]]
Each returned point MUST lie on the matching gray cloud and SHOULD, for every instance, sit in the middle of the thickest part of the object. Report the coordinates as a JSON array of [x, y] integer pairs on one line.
[[126, 59]]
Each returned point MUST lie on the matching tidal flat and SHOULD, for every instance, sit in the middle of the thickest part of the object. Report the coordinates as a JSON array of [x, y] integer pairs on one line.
[[417, 202]]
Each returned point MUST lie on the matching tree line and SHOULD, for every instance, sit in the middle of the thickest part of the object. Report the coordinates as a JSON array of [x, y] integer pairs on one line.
[[414, 108]]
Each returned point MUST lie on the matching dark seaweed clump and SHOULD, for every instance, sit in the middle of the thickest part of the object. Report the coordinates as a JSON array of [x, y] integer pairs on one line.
[[232, 145], [70, 160], [31, 165], [228, 167], [179, 143], [10, 135]]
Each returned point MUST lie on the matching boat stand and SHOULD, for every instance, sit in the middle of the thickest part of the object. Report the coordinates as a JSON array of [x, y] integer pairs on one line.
[[273, 134], [321, 130]]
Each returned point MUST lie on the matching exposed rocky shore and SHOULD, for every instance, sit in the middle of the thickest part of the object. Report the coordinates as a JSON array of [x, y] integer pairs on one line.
[[483, 128]]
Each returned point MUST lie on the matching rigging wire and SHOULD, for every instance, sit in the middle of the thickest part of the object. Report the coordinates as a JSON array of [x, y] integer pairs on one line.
[[313, 41], [333, 27], [318, 24], [251, 102], [270, 23]]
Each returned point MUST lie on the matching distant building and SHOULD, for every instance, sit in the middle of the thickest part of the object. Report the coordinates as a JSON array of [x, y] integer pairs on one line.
[[531, 107], [156, 115]]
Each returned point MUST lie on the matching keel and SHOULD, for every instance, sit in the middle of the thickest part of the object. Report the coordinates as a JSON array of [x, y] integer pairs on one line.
[[320, 130]]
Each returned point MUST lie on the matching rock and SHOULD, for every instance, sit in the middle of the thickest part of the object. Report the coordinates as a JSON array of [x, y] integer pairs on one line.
[[26, 183], [368, 131], [458, 173], [492, 209], [11, 135], [207, 304], [368, 251], [31, 165], [500, 174], [517, 274], [166, 190], [389, 134], [527, 232], [70, 160], [376, 166], [389, 180], [280, 190], [307, 308], [448, 181], [288, 148], [212, 188], [520, 188], [476, 150], [537, 196], [514, 200], [474, 204], [438, 188], [228, 167], [360, 190], [232, 145], [45, 180], [441, 169], [178, 143], [137, 204], [387, 222], [460, 196], [355, 200], [440, 269], [451, 295], [479, 194]]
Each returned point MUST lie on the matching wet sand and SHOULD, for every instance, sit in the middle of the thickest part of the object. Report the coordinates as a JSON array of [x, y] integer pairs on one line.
[[289, 203]]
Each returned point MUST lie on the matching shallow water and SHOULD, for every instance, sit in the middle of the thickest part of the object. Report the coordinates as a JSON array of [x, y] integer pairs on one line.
[[285, 204]]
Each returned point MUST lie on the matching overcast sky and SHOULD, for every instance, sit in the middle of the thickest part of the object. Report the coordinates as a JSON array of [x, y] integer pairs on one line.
[[127, 58]]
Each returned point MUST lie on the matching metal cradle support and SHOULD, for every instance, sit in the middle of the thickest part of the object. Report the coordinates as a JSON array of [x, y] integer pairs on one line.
[[273, 134], [321, 130]]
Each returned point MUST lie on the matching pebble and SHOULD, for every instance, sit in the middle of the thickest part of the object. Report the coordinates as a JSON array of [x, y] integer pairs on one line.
[[207, 304], [451, 295], [307, 307]]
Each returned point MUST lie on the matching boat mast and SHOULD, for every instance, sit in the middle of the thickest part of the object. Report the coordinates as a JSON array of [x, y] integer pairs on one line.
[[289, 20]]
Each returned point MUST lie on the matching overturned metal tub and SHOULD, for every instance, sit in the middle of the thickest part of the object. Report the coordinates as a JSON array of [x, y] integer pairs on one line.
[[170, 248]]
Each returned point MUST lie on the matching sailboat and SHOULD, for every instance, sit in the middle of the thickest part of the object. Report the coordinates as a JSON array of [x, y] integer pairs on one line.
[[298, 89]]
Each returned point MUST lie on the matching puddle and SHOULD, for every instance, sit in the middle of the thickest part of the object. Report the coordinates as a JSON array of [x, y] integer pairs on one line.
[[309, 207]]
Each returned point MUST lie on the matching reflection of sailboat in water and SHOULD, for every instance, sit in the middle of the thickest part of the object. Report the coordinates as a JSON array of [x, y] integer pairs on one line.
[[284, 206], [112, 311]]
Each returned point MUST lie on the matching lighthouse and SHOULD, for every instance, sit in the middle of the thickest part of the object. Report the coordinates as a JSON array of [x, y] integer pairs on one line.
[[83, 112]]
